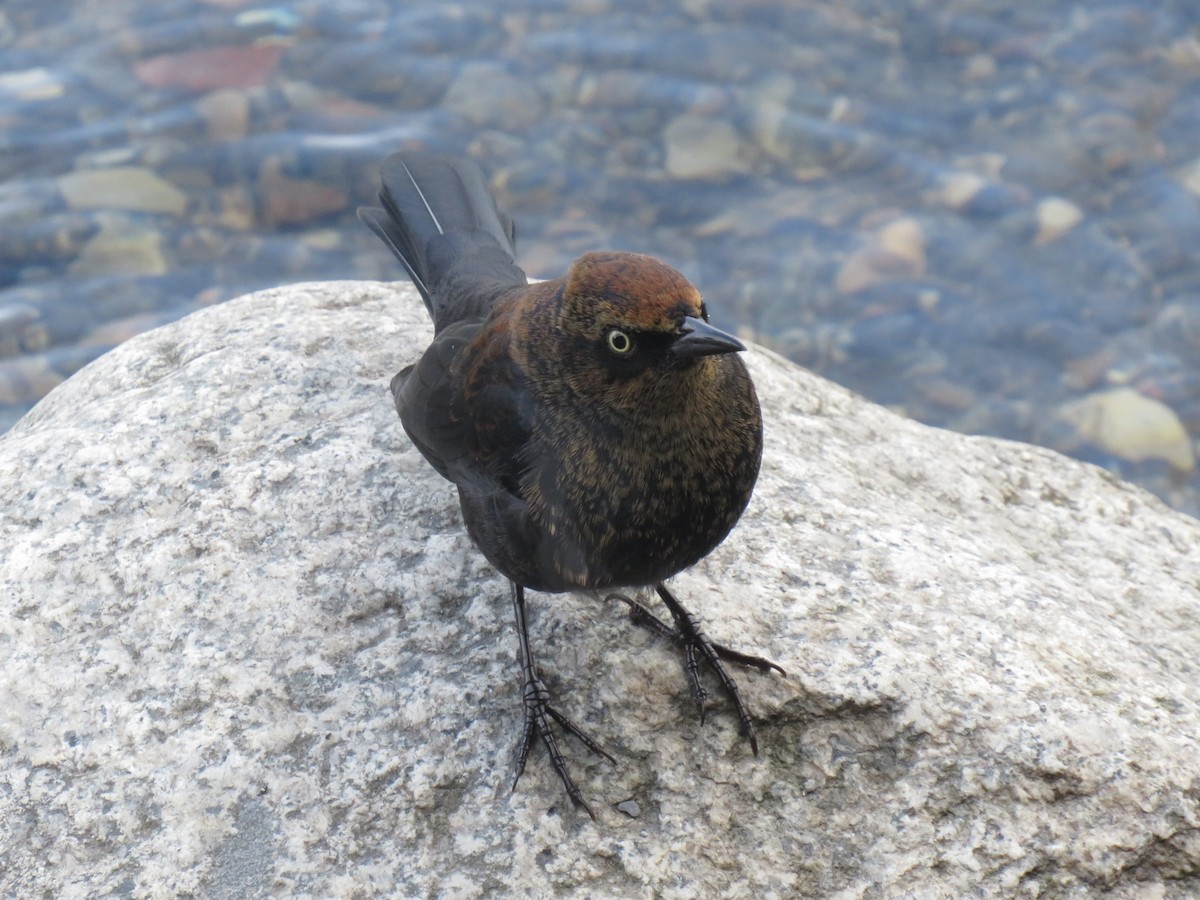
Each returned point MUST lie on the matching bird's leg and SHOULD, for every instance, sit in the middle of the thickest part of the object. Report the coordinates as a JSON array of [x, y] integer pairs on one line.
[[687, 631], [538, 712]]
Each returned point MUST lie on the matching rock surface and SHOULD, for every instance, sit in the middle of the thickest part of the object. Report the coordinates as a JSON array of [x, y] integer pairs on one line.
[[248, 650]]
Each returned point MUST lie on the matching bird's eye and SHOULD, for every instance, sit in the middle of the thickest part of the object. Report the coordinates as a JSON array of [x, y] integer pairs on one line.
[[619, 342]]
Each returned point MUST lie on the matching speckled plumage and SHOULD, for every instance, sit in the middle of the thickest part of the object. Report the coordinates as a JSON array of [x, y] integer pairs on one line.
[[600, 432]]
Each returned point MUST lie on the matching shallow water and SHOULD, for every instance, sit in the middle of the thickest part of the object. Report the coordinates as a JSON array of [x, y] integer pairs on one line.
[[981, 214]]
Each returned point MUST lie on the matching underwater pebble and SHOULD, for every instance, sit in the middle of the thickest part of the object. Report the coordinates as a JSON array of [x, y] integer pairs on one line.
[[1055, 217], [1131, 426], [122, 187], [701, 148]]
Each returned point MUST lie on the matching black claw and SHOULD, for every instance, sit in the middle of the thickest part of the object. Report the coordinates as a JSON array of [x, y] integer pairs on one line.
[[691, 665], [538, 712], [745, 659], [571, 728], [640, 615], [687, 631]]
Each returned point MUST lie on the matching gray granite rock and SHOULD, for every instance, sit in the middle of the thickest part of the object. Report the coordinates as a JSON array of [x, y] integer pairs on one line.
[[247, 650]]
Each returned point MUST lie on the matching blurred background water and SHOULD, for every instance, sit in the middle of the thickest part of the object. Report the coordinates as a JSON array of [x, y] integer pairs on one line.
[[985, 215]]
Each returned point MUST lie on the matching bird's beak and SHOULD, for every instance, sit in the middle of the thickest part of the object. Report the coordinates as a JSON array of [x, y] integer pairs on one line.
[[698, 338]]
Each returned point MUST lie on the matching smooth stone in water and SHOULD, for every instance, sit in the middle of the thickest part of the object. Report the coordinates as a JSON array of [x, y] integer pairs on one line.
[[1132, 426], [701, 148], [122, 187]]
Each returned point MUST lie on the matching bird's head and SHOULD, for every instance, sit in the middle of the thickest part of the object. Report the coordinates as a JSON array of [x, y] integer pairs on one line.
[[631, 327]]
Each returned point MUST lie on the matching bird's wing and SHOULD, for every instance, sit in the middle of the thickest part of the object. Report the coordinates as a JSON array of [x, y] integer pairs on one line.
[[467, 408]]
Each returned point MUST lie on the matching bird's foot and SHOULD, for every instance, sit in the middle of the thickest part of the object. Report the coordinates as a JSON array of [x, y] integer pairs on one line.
[[696, 644], [538, 713]]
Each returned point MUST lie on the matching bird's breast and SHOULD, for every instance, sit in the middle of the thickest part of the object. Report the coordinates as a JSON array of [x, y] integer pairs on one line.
[[634, 503]]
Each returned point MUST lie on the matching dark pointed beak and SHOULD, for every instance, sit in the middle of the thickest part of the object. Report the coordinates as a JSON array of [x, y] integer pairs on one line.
[[698, 338]]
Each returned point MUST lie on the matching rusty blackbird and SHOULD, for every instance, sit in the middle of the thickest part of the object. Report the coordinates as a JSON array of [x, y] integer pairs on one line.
[[601, 433]]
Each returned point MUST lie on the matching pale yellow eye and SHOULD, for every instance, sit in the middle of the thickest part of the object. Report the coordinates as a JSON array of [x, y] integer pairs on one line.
[[619, 342]]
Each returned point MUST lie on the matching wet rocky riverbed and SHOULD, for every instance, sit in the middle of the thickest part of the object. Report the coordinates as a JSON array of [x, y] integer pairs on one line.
[[983, 215]]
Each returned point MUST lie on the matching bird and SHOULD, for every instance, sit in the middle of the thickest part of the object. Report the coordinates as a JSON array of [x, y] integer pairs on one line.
[[601, 433]]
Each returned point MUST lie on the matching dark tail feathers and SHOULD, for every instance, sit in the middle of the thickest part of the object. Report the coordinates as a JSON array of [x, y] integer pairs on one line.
[[438, 214]]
